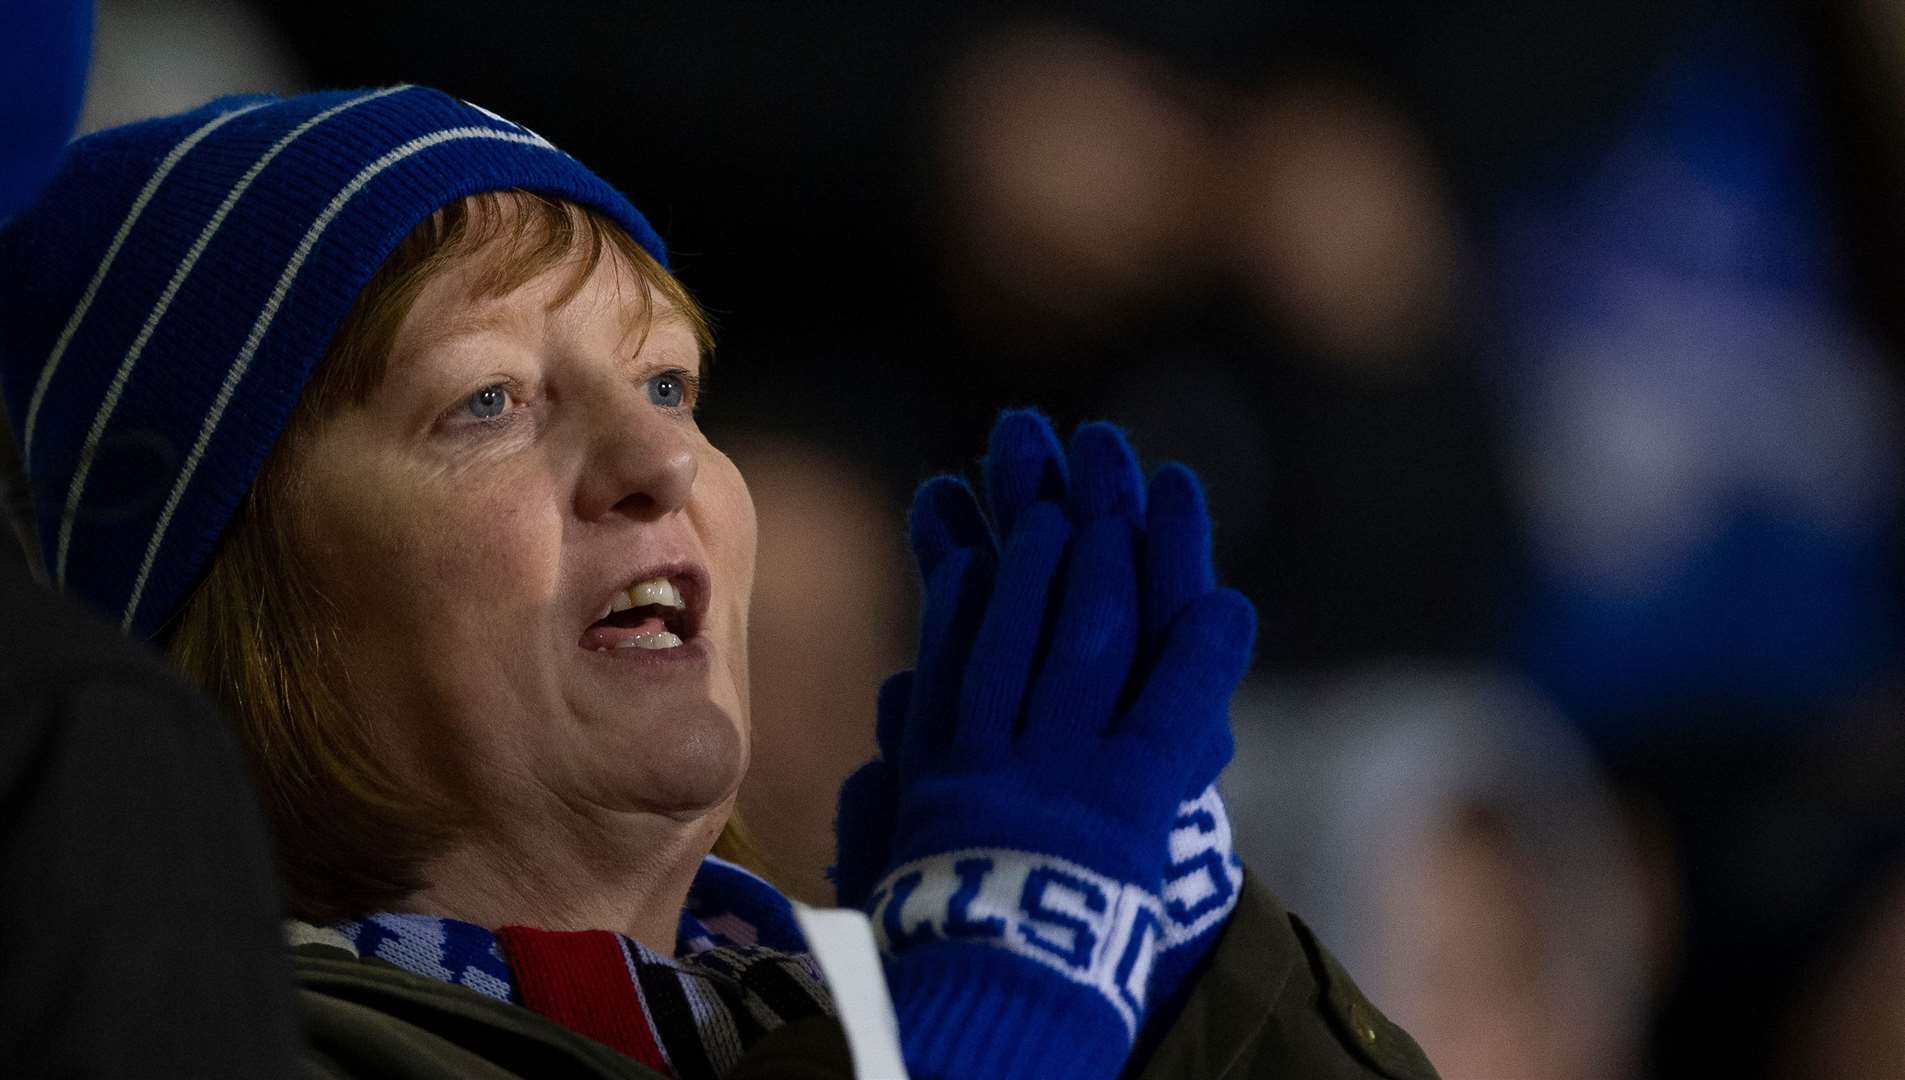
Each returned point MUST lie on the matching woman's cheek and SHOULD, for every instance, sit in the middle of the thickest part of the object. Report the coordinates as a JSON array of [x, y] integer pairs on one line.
[[740, 527], [447, 550]]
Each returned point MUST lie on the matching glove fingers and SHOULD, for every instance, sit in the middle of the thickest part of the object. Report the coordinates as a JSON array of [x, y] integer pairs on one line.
[[863, 831], [1093, 638], [1183, 708], [1025, 464], [945, 518], [869, 800], [1008, 640], [954, 603], [1104, 475], [1176, 564], [889, 725]]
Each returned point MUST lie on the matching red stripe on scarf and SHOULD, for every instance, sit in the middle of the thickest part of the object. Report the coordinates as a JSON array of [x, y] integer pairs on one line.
[[582, 980]]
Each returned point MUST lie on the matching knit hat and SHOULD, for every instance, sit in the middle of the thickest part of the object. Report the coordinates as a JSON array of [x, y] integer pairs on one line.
[[163, 305], [43, 81]]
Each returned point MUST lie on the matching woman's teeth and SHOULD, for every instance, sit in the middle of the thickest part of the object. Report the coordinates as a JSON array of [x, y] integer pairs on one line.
[[660, 640], [658, 592], [653, 591]]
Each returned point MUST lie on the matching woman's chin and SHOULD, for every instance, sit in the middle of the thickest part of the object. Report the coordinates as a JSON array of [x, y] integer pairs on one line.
[[693, 767]]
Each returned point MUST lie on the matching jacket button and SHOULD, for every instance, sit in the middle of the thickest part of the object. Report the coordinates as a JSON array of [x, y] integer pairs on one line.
[[1359, 1020]]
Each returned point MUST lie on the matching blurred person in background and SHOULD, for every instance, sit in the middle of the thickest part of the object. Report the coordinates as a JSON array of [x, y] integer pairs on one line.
[[1583, 395], [1676, 436], [1706, 442], [835, 551], [156, 58], [1498, 898]]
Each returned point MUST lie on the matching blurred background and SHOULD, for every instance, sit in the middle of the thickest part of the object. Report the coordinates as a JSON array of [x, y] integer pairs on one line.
[[1542, 361]]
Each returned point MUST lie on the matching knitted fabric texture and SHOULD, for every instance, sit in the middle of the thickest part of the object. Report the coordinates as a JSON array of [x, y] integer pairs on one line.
[[43, 56], [691, 1015], [1047, 886], [164, 303]]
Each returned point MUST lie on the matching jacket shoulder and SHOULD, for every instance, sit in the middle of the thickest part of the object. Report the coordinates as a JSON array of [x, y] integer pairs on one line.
[[1272, 1002], [366, 1018], [363, 1018], [1358, 1023]]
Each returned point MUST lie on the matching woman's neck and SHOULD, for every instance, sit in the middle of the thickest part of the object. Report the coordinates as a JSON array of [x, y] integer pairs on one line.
[[630, 874]]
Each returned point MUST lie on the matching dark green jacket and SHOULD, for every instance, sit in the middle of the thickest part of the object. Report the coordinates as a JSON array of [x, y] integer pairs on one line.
[[1273, 1004]]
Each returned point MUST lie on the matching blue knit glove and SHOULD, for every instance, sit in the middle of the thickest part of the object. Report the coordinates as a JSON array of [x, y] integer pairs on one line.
[[1025, 465], [1202, 873], [868, 801], [1039, 773]]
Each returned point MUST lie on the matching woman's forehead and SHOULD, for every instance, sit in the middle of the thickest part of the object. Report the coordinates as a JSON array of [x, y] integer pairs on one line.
[[458, 303]]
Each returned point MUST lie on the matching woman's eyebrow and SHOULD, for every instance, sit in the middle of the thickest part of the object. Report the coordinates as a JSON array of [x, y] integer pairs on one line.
[[642, 324], [670, 315], [473, 320]]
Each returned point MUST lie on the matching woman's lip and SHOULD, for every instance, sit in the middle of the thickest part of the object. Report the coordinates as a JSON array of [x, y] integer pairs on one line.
[[601, 635], [691, 654]]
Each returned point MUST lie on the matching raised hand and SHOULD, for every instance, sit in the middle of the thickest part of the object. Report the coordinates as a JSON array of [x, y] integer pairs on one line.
[[1072, 689], [1024, 466]]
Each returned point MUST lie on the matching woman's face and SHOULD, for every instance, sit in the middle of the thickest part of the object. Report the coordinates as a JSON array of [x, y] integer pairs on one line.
[[524, 464]]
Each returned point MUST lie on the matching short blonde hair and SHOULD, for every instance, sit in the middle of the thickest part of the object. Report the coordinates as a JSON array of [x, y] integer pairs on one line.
[[352, 834]]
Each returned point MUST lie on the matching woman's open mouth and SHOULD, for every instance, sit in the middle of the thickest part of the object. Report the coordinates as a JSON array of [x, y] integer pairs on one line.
[[656, 613]]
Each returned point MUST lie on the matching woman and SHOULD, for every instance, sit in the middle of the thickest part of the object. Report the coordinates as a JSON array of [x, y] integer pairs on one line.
[[377, 409]]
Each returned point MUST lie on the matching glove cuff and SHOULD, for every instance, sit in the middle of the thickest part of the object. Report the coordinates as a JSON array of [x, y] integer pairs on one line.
[[1092, 934], [965, 1011]]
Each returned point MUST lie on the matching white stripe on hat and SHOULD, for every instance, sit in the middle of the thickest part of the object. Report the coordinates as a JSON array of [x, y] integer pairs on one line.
[[112, 252], [506, 120], [90, 450], [265, 317]]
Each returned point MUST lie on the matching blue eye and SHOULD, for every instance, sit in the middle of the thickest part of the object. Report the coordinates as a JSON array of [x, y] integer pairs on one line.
[[488, 403], [669, 390]]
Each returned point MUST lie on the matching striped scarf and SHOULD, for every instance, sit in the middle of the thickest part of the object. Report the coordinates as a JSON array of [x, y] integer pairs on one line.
[[741, 970]]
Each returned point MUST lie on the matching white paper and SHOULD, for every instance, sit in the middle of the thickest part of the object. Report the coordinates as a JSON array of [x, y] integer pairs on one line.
[[841, 941]]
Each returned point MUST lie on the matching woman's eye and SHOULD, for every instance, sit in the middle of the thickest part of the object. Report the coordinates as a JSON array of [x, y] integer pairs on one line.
[[488, 403], [669, 389]]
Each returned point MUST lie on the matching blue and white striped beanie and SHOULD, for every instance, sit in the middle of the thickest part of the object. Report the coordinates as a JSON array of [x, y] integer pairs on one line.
[[163, 305]]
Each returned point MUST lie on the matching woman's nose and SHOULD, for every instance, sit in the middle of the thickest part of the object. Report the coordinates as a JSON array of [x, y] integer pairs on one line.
[[641, 462]]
